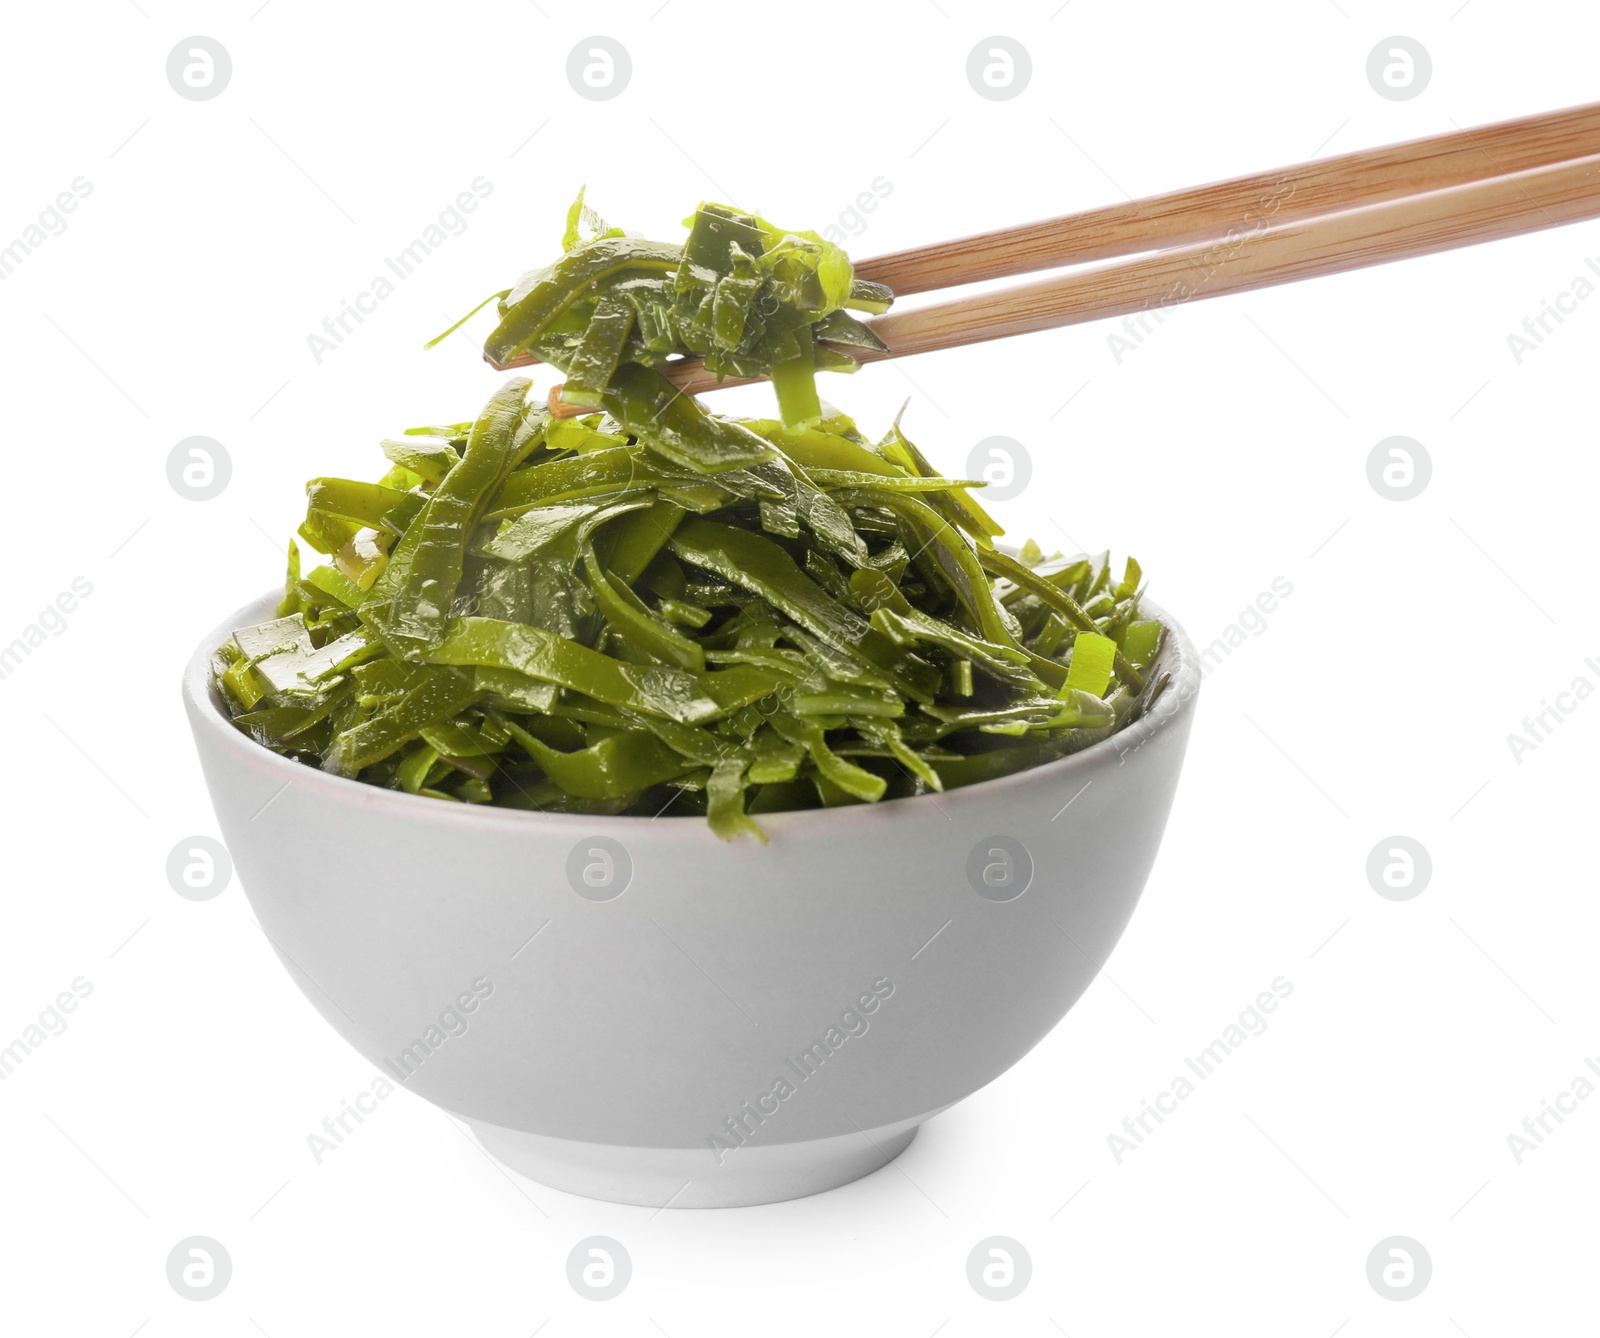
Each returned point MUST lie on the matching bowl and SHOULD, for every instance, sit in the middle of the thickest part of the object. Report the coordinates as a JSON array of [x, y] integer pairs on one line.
[[630, 1009]]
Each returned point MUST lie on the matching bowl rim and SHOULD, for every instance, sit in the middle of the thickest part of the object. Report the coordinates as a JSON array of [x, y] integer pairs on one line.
[[206, 712]]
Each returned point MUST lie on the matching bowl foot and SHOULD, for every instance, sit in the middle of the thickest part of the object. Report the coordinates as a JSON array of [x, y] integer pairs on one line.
[[693, 1177]]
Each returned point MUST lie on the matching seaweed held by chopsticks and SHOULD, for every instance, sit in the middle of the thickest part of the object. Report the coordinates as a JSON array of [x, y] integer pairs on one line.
[[751, 298], [653, 608]]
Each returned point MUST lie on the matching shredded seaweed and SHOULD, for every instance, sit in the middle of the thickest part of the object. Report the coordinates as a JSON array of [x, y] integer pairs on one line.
[[751, 298], [653, 608]]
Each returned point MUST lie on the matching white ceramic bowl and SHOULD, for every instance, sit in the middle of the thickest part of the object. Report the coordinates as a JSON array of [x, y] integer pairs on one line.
[[731, 1023]]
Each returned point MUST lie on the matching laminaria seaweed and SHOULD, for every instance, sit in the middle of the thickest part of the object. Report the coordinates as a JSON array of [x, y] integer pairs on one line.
[[650, 608]]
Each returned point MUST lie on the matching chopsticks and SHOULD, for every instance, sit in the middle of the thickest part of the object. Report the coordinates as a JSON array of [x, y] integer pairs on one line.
[[1481, 211], [1367, 176], [1327, 217]]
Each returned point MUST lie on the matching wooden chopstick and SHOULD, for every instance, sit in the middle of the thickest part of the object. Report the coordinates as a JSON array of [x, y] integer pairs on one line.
[[1375, 234], [1202, 213]]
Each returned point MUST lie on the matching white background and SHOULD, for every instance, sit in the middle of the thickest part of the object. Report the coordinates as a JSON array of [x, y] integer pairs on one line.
[[1229, 450]]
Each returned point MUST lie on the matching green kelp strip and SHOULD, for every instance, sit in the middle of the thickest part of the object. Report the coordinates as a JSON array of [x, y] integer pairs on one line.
[[652, 608], [750, 298], [567, 616]]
